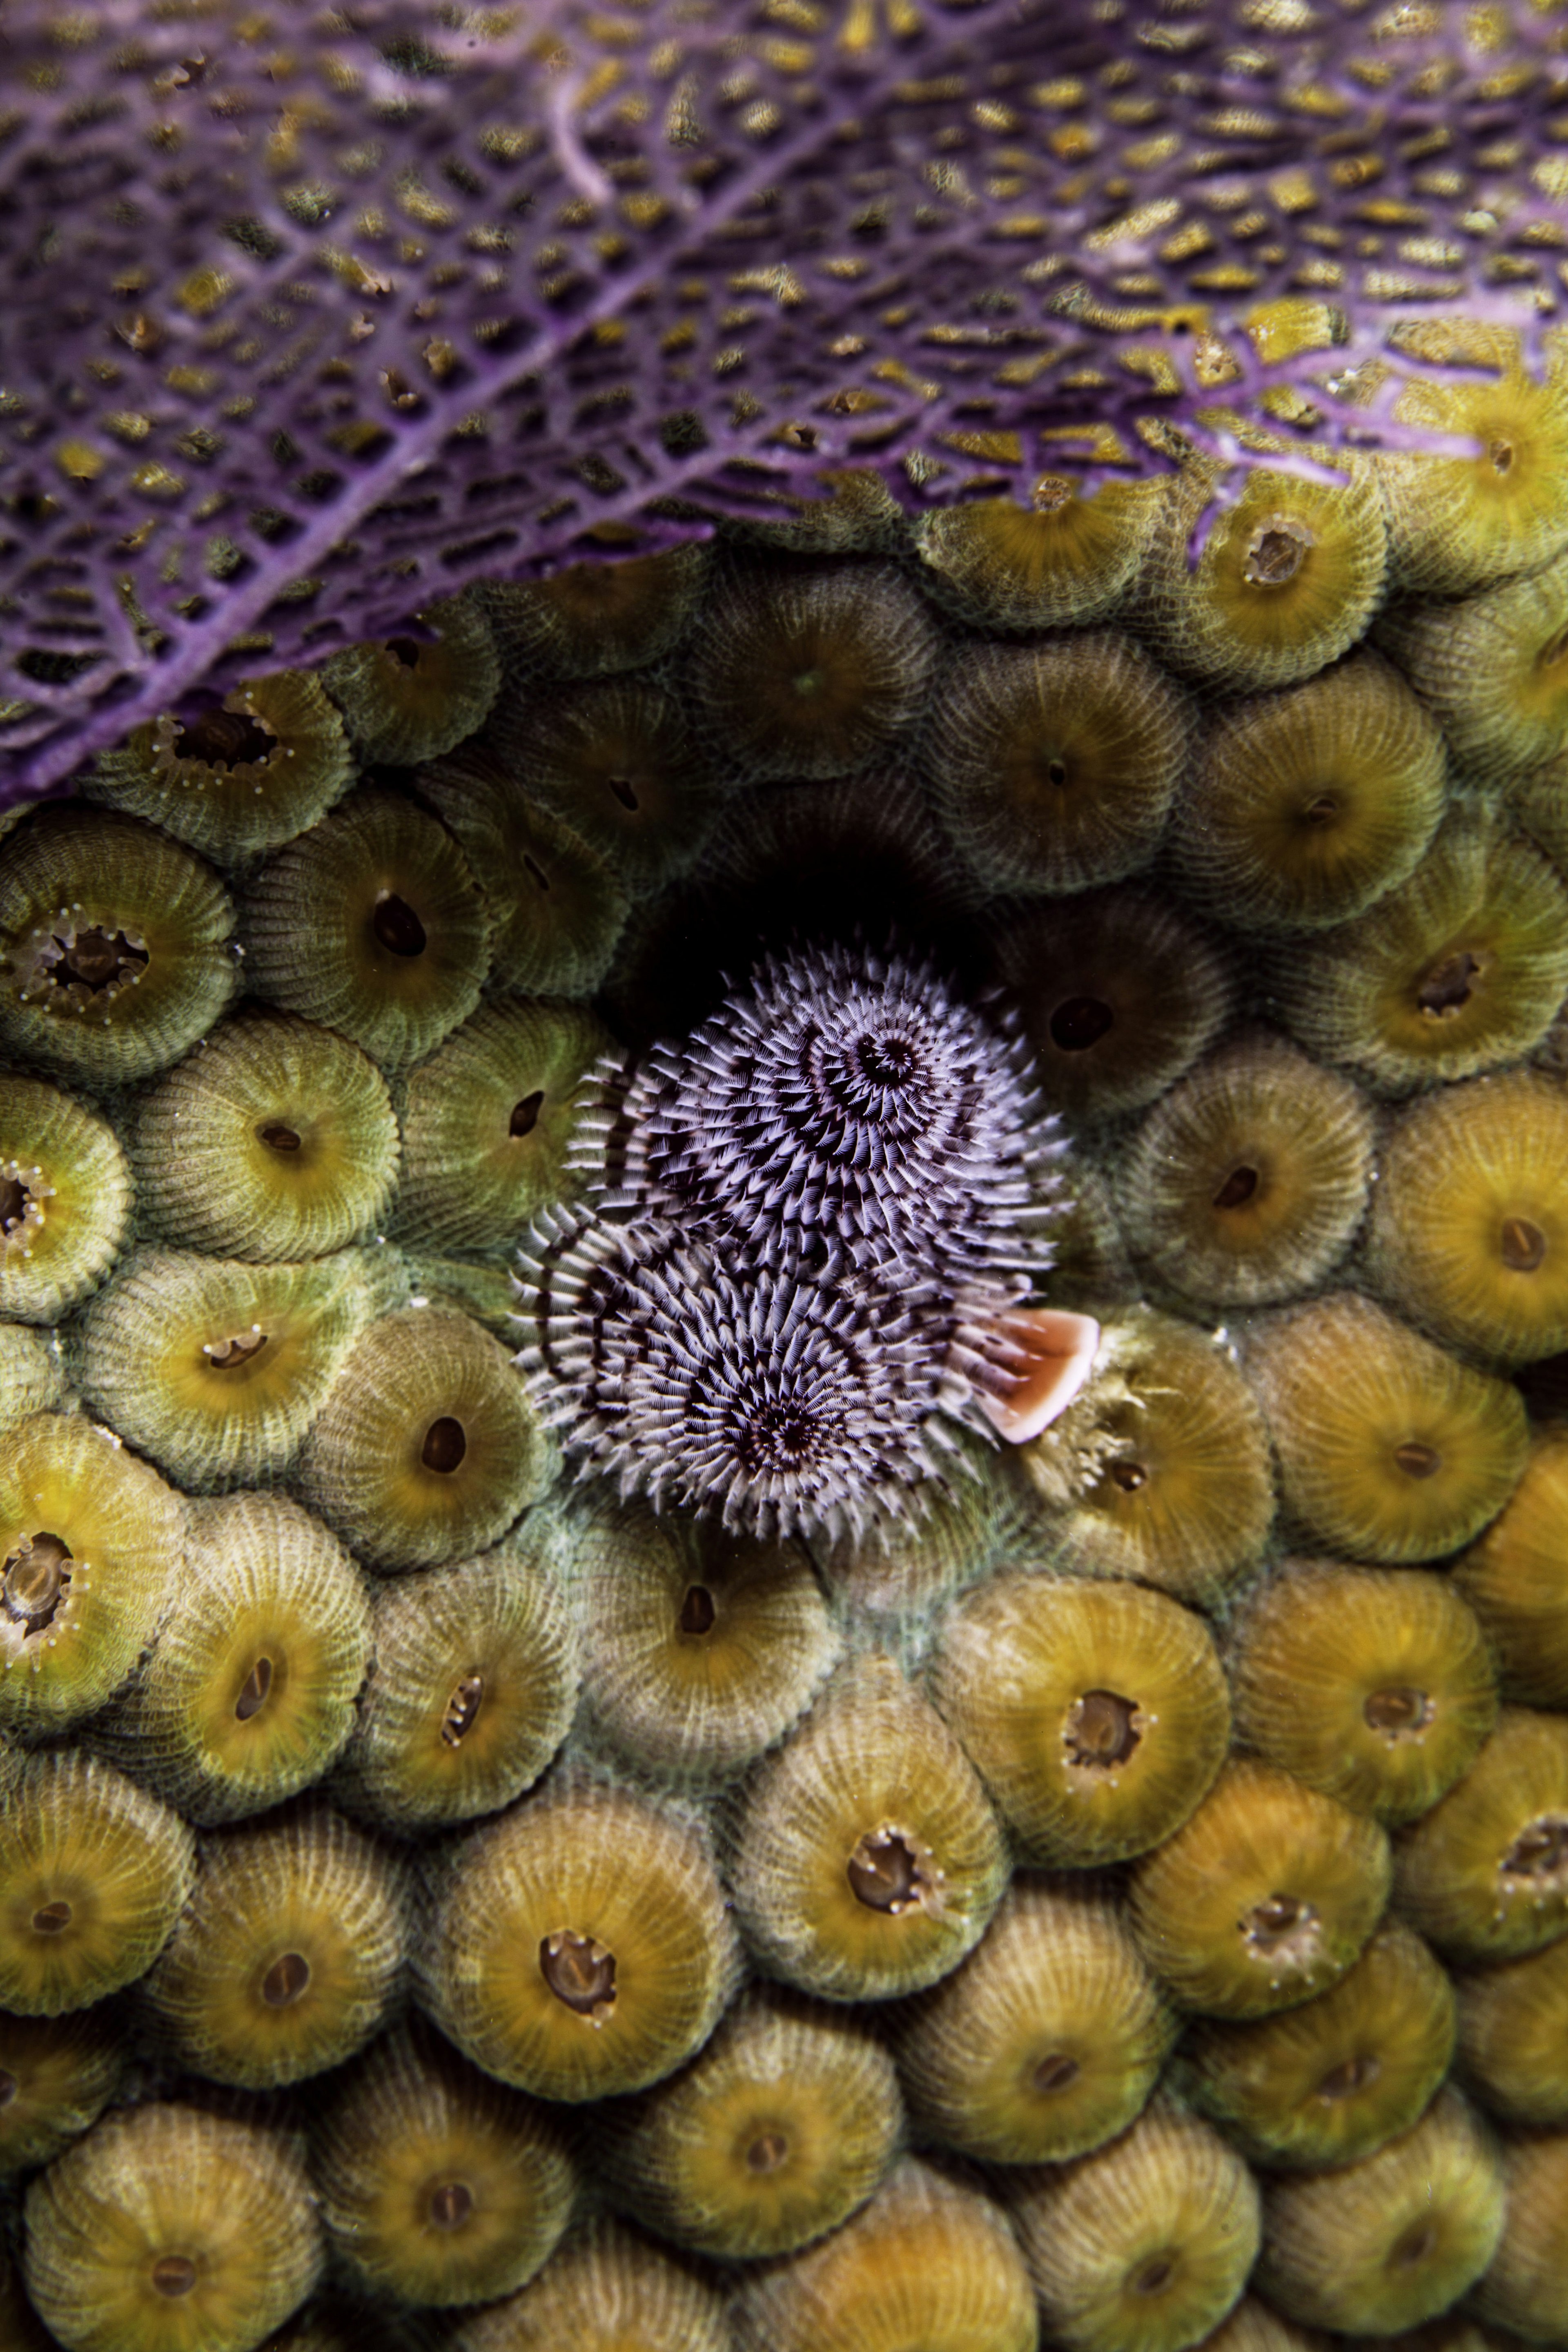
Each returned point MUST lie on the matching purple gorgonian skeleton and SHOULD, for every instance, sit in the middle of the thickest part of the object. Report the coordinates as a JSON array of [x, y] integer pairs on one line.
[[314, 315]]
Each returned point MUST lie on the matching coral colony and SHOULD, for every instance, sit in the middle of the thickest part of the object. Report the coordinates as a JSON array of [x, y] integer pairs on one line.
[[783, 1246]]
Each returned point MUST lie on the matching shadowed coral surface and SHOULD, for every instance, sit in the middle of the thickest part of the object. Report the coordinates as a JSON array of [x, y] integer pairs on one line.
[[616, 1837]]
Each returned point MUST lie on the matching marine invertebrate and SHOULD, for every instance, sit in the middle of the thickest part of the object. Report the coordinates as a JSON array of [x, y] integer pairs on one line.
[[594, 620], [56, 2076], [784, 1404], [1267, 1893], [217, 1368], [604, 2281], [1393, 2240], [1523, 2285], [1306, 806], [927, 2260], [371, 923], [701, 1647], [1484, 1875], [1097, 1713], [1143, 2244], [846, 1101], [618, 763], [1512, 1579], [809, 671], [436, 2184], [289, 1955], [1119, 992], [489, 1120], [1046, 2040], [249, 1693], [1466, 1233], [776, 2132], [275, 1138], [64, 1200], [1055, 767], [1459, 969], [474, 1681], [552, 1966], [1375, 1687], [1289, 572], [1389, 1449], [92, 1541], [863, 1856], [1513, 2031], [424, 1447], [1332, 2079], [168, 2221], [409, 698], [94, 1874], [248, 773], [114, 946], [1065, 557], [1247, 1181]]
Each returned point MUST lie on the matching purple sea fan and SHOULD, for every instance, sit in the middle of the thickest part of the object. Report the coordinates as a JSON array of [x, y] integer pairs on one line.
[[314, 315], [784, 1404], [847, 1105]]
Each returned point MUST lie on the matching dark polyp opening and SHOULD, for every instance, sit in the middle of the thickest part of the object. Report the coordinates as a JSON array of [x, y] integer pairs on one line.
[[444, 1445], [1057, 772], [767, 2151], [14, 1200], [624, 791], [97, 958], [1398, 1708], [9, 2086], [1320, 811], [461, 1708], [1273, 1922], [808, 683], [1522, 1246], [397, 927], [51, 1918], [885, 1873], [231, 1354], [525, 1113], [1057, 2073], [1078, 1023], [579, 1972], [1128, 1476], [1553, 651], [1415, 2246], [1501, 453], [535, 872], [1343, 2082], [230, 738], [1100, 1730], [450, 2205], [406, 650], [34, 1581], [1238, 1189], [285, 1981], [1417, 1460], [253, 1691], [1276, 554], [173, 2274], [697, 1610], [1154, 2276], [1541, 1851], [279, 1138], [1447, 986]]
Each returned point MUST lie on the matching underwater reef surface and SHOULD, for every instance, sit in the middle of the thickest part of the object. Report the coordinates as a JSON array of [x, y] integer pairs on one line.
[[1059, 805], [657, 1038]]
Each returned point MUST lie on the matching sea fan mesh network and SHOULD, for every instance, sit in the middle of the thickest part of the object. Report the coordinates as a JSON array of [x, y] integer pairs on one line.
[[312, 317]]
